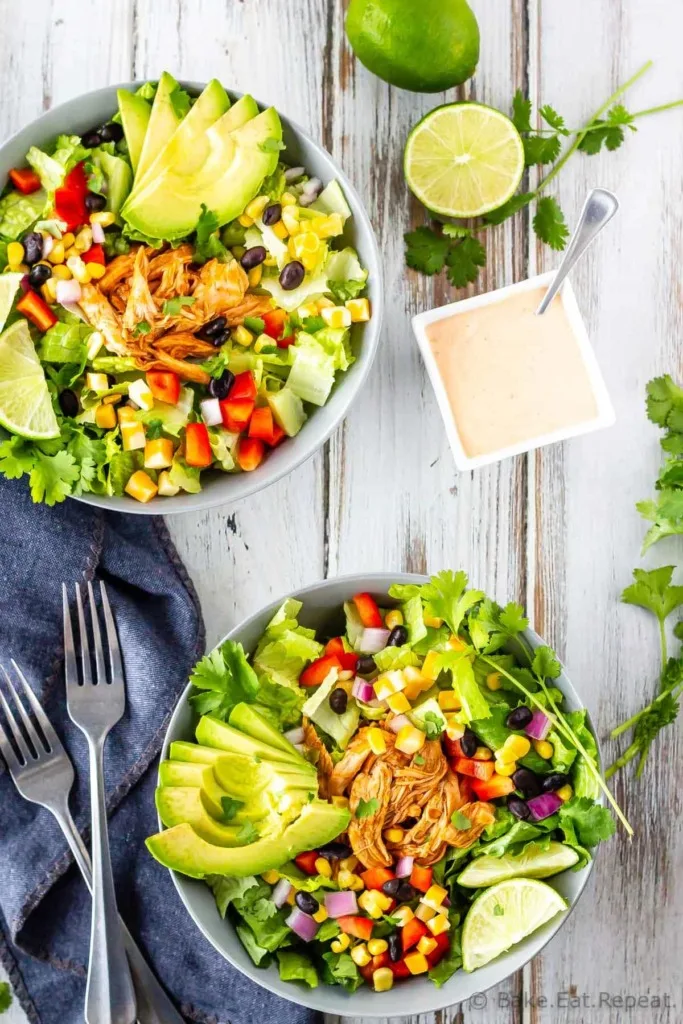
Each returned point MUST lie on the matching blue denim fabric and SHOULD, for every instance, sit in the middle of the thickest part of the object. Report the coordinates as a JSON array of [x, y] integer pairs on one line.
[[44, 905]]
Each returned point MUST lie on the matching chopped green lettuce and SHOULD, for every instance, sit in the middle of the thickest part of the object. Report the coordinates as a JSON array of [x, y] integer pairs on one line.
[[18, 212], [52, 169], [340, 969], [296, 966], [173, 417], [226, 888], [258, 954], [312, 375], [65, 343], [184, 476], [395, 658], [285, 657], [340, 727]]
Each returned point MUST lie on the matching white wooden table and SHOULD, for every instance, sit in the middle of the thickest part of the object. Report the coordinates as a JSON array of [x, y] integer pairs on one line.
[[556, 530]]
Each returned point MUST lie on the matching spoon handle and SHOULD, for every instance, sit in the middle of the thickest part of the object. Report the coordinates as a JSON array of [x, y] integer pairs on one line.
[[598, 210]]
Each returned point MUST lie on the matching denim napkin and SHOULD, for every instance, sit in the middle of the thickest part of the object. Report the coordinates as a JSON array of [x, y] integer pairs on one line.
[[44, 905]]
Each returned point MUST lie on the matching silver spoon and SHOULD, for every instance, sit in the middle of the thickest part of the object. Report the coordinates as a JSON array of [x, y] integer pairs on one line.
[[598, 210]]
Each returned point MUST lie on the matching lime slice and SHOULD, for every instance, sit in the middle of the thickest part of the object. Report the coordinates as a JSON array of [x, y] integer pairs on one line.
[[9, 286], [504, 915], [464, 159], [533, 862], [25, 405]]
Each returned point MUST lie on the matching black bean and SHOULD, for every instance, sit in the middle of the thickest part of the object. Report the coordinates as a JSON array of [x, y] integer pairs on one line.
[[33, 247], [518, 807], [409, 823], [306, 902], [366, 665], [68, 402], [39, 274], [527, 782], [95, 202], [468, 743], [519, 718], [253, 257], [391, 887], [398, 637], [291, 275], [549, 783], [214, 327], [220, 338], [220, 386], [395, 947], [110, 132], [335, 851], [91, 139], [339, 700], [272, 214], [406, 893]]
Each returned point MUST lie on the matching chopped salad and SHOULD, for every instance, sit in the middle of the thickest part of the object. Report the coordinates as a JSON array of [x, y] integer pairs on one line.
[[413, 776], [175, 298]]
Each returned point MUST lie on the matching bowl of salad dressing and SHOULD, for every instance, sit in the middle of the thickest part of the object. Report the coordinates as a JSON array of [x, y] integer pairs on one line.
[[507, 380]]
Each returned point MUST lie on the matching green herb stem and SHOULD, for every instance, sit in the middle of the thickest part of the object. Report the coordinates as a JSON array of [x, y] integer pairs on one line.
[[675, 692], [662, 642]]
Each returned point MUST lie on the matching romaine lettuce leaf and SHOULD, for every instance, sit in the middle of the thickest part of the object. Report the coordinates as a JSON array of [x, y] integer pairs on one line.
[[225, 889], [18, 212], [395, 658], [284, 658], [312, 375], [413, 616], [260, 956], [296, 966], [340, 969], [340, 727], [65, 343], [184, 476], [52, 169], [452, 961], [286, 617], [474, 704]]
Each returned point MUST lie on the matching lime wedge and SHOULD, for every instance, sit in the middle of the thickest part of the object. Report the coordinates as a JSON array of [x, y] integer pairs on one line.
[[533, 862], [504, 915], [9, 286], [25, 405], [464, 159]]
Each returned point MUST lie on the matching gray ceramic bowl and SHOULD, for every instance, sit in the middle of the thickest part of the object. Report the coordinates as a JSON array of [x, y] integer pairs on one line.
[[77, 116], [322, 611]]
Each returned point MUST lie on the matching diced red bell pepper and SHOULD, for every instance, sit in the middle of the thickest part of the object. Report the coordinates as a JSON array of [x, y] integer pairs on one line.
[[370, 615], [306, 862], [421, 877], [243, 386], [453, 748], [236, 413], [358, 927], [347, 659], [278, 435], [197, 445], [381, 960], [285, 342], [164, 385], [95, 254], [261, 423], [70, 198], [475, 769], [274, 322], [316, 673], [35, 309], [399, 969], [25, 180], [375, 878], [491, 789], [412, 932], [249, 454], [443, 945]]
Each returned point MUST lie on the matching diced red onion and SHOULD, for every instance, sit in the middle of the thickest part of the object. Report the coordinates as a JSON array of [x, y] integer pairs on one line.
[[211, 412], [302, 924], [281, 892], [97, 234], [292, 173], [339, 904], [539, 726], [301, 747], [373, 640], [68, 291], [544, 805], [25, 284], [295, 735], [48, 246], [313, 186], [397, 723], [363, 690], [404, 867]]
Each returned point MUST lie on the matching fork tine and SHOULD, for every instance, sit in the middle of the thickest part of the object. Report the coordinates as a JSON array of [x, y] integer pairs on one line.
[[70, 665], [38, 742], [14, 728], [7, 751], [112, 639], [97, 639], [50, 735], [85, 645]]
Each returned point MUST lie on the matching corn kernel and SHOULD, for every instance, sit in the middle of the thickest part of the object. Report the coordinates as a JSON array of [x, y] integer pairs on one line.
[[506, 768], [416, 963], [71, 252], [544, 749], [68, 239], [378, 744], [61, 272], [242, 336], [105, 218], [96, 271], [141, 487], [291, 897], [256, 207], [360, 955], [377, 946], [513, 748], [432, 621], [56, 253], [83, 239], [356, 884], [439, 924], [435, 896], [327, 226], [126, 414], [398, 703], [49, 289], [402, 915], [304, 243], [78, 269], [482, 754], [349, 863], [280, 230], [565, 793], [323, 867], [493, 680], [290, 219], [449, 700], [383, 979], [105, 417], [409, 740], [310, 260], [374, 902], [340, 801], [393, 618], [345, 878], [159, 453], [359, 310], [429, 669], [271, 877], [254, 276], [288, 199], [245, 220], [426, 945], [320, 915], [15, 253], [424, 913], [455, 730], [132, 436], [345, 675], [394, 835], [341, 943]]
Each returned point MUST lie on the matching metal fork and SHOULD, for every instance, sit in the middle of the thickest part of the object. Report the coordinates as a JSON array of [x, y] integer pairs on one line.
[[95, 707], [43, 773]]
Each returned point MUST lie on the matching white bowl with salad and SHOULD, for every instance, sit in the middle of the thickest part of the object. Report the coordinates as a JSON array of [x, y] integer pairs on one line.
[[190, 298], [380, 795]]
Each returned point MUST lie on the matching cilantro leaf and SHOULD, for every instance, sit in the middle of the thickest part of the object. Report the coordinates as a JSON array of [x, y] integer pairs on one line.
[[460, 821], [142, 327], [584, 821], [551, 117], [474, 703], [426, 250], [366, 808], [491, 626], [154, 429], [549, 223], [455, 231], [225, 678], [663, 397], [521, 112], [17, 457], [52, 477], [313, 323], [230, 807], [433, 725], [653, 590], [510, 208], [172, 307], [207, 243], [419, 760], [464, 261], [5, 996], [608, 131], [447, 597], [545, 664], [541, 149]]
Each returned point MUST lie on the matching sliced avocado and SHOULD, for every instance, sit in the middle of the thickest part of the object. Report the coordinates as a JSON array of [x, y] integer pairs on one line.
[[135, 113], [240, 112], [195, 753], [183, 773], [163, 121], [340, 727], [183, 849], [332, 200], [214, 733], [183, 804], [237, 162], [288, 410], [244, 718], [187, 148], [119, 180]]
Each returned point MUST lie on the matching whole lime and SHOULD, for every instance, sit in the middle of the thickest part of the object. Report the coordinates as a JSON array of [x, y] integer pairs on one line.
[[421, 45]]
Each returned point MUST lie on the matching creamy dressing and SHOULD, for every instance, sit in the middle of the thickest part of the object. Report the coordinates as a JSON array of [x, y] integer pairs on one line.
[[511, 376]]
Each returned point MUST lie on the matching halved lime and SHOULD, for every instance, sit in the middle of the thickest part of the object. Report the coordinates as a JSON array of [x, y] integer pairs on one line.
[[533, 862], [25, 405], [504, 915], [464, 159], [9, 286]]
